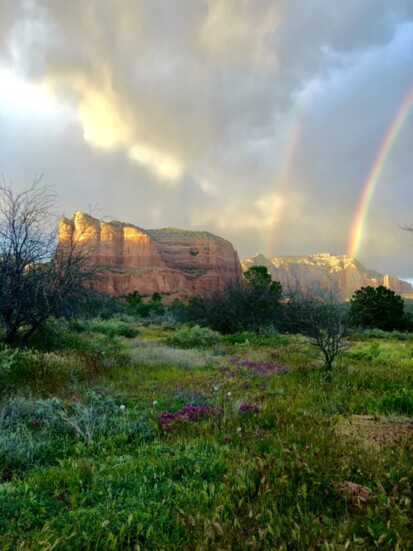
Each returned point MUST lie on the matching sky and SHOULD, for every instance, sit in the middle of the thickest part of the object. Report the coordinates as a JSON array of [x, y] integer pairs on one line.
[[283, 126]]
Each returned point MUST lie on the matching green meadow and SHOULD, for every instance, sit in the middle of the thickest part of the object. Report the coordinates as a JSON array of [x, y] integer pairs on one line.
[[117, 434]]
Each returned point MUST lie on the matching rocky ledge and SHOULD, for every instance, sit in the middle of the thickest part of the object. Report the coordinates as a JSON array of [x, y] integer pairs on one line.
[[173, 262]]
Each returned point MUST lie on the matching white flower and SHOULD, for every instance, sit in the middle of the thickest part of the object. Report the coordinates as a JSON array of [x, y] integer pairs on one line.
[[229, 394], [216, 388], [122, 408], [239, 429], [154, 403]]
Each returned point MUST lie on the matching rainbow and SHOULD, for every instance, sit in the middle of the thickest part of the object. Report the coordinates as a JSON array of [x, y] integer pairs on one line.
[[373, 177], [287, 161]]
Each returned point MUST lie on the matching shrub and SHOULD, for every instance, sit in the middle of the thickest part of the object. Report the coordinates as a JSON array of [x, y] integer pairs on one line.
[[368, 353], [380, 334], [400, 402], [8, 359], [59, 335], [102, 306], [263, 338], [139, 307], [378, 308], [110, 328], [249, 304], [195, 337]]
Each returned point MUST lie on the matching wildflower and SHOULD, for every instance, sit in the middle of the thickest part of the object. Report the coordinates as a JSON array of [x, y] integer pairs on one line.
[[246, 407], [35, 422], [154, 403], [229, 394], [179, 388], [239, 429], [227, 438], [122, 408], [263, 387], [216, 388], [188, 412]]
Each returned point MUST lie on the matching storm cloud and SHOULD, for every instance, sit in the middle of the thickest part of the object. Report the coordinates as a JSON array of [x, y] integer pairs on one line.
[[257, 120]]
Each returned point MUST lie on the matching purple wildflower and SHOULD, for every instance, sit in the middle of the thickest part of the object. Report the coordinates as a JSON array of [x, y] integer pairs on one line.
[[228, 371], [35, 422], [248, 407], [189, 412]]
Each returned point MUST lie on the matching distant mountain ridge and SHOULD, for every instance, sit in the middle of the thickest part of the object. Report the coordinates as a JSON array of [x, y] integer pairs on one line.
[[323, 272]]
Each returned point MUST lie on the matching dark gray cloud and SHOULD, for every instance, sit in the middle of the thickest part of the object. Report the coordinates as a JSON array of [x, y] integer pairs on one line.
[[255, 119]]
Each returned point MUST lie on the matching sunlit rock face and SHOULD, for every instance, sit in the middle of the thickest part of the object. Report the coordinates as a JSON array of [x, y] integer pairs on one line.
[[324, 273], [175, 262]]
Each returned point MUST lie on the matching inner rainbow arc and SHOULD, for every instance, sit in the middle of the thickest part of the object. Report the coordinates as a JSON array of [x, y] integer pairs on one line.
[[369, 185]]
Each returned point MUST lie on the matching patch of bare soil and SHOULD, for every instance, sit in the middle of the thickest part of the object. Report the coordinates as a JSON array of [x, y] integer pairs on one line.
[[379, 431]]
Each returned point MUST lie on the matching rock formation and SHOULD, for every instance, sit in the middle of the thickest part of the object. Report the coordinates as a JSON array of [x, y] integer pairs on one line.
[[324, 272], [169, 261]]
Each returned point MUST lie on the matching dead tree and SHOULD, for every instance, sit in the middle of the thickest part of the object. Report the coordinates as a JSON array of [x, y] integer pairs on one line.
[[324, 320], [37, 280]]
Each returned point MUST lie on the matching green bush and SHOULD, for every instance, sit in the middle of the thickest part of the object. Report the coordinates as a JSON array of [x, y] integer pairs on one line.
[[59, 335], [111, 328], [367, 353], [244, 305], [378, 308], [257, 339], [8, 359], [102, 306], [400, 402], [138, 307], [380, 334], [195, 337]]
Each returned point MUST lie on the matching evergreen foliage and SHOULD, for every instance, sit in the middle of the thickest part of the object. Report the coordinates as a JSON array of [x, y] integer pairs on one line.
[[378, 308], [245, 305]]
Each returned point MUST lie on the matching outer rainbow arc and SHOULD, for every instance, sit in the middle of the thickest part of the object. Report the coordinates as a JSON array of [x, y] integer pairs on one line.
[[290, 150], [373, 176]]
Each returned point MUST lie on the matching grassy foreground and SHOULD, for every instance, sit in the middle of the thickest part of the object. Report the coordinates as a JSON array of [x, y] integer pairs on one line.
[[112, 440]]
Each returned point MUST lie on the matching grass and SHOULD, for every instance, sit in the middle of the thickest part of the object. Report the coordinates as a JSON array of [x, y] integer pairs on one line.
[[255, 453]]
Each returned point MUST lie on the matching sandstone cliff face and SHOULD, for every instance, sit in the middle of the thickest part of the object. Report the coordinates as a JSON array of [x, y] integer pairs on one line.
[[325, 272], [168, 261]]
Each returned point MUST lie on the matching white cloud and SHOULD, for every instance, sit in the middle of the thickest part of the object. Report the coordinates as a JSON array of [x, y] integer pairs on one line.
[[161, 164], [236, 31], [234, 116]]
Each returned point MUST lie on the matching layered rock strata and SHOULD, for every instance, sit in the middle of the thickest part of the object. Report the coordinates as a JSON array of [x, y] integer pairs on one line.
[[169, 261], [324, 272]]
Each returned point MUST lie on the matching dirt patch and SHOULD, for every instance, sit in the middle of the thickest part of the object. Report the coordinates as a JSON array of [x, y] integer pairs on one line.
[[379, 431]]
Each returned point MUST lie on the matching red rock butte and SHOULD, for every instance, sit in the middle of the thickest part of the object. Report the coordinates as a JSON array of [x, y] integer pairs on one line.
[[173, 262]]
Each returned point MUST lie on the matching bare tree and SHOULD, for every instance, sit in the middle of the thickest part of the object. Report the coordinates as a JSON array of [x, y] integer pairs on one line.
[[325, 321], [37, 280]]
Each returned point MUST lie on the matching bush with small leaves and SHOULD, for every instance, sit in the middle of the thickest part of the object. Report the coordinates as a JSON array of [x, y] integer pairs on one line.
[[195, 337]]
